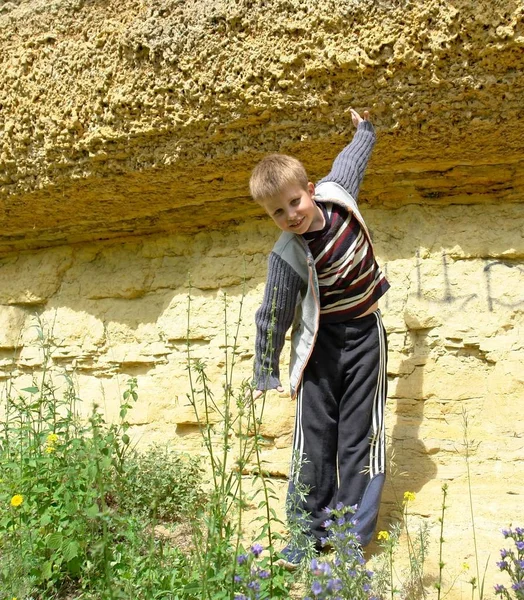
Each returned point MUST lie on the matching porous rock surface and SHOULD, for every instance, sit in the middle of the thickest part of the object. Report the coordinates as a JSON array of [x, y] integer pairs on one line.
[[128, 130], [145, 116]]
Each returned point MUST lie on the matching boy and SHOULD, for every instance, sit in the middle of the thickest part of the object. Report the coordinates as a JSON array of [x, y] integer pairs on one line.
[[324, 280]]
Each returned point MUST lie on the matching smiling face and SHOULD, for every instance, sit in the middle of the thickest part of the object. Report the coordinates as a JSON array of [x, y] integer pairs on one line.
[[294, 209]]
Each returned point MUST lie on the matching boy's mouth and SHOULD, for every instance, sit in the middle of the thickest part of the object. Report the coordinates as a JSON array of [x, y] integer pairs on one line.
[[296, 224]]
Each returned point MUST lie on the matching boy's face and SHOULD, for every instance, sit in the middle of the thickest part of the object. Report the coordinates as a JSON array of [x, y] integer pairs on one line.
[[295, 210]]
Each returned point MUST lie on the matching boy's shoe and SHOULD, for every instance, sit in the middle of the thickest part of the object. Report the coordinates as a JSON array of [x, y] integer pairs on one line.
[[323, 548], [291, 557]]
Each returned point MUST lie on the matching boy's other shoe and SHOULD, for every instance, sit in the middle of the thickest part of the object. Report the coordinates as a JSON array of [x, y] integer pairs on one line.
[[291, 557]]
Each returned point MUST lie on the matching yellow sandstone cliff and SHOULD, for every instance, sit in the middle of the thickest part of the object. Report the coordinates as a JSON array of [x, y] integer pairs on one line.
[[127, 134]]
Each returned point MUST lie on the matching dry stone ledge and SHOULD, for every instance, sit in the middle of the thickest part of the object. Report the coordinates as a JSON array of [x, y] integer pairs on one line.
[[128, 118]]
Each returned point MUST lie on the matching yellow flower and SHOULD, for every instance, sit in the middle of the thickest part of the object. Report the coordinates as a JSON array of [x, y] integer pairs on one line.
[[465, 566], [383, 535], [409, 497], [16, 500], [50, 449], [52, 439]]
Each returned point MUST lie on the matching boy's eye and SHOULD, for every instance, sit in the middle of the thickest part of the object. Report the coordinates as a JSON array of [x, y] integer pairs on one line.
[[277, 212], [295, 201]]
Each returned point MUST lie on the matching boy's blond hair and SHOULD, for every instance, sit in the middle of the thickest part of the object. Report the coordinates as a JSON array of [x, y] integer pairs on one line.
[[273, 173]]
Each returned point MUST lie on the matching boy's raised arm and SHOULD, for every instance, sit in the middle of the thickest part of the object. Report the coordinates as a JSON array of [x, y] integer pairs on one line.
[[349, 166]]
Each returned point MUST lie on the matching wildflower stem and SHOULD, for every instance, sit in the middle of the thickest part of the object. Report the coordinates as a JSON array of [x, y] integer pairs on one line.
[[467, 445], [441, 542], [392, 587], [415, 562]]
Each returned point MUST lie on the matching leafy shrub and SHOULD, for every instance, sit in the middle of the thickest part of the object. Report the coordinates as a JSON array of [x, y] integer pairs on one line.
[[62, 526], [161, 483]]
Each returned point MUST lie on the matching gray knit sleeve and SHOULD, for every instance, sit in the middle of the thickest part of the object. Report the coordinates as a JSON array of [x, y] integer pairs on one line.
[[273, 319], [349, 166]]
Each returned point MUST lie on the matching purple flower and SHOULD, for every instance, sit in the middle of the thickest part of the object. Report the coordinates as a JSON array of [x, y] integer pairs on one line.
[[503, 553], [254, 585], [334, 585], [325, 568], [327, 524], [502, 564], [520, 545], [366, 587], [316, 588], [518, 585], [326, 510], [499, 588], [341, 521], [314, 564], [241, 559], [519, 530], [507, 533], [237, 578], [520, 564], [340, 506], [257, 549], [263, 574], [240, 597]]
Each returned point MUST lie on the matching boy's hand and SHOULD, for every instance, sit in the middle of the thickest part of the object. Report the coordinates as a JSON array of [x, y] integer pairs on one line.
[[356, 118], [258, 393]]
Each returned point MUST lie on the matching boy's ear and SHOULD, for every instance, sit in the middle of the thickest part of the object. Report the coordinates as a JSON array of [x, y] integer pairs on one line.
[[311, 188]]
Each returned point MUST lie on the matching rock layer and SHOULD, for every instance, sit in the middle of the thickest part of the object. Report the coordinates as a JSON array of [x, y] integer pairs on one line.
[[145, 116]]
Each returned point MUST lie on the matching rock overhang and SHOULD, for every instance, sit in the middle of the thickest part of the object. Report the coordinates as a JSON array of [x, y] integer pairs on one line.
[[123, 119]]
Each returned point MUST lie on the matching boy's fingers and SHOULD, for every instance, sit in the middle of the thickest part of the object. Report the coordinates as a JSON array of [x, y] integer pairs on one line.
[[257, 393]]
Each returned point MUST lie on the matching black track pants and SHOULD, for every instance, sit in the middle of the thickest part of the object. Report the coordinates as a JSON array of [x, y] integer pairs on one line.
[[339, 425]]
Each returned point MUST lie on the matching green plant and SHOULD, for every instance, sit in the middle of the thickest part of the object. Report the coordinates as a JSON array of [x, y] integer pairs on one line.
[[411, 581], [441, 563], [64, 472], [160, 483], [384, 577], [470, 446], [230, 423], [345, 575], [297, 518], [62, 528], [417, 552]]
